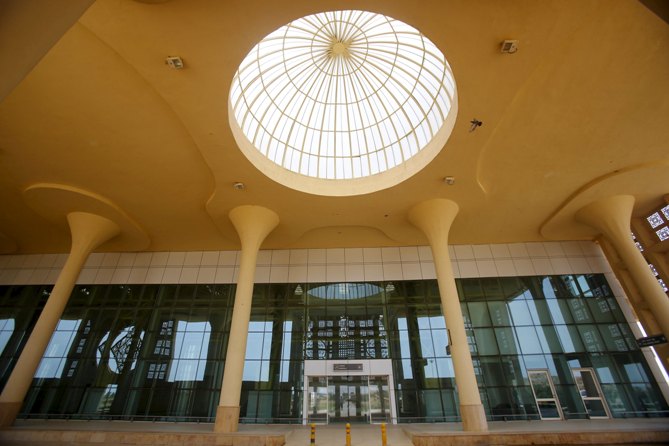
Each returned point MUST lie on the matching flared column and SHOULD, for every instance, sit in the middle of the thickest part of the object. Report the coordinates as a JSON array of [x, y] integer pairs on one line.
[[88, 232], [434, 218], [611, 217], [253, 224]]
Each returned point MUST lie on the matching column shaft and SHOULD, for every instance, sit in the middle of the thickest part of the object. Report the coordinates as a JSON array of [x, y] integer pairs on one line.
[[253, 224], [434, 218], [612, 216], [88, 232]]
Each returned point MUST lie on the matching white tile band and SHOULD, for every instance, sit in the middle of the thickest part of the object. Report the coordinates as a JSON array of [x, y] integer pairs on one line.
[[312, 265]]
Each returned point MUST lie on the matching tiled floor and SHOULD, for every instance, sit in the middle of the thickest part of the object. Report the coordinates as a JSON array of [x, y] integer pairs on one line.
[[361, 435]]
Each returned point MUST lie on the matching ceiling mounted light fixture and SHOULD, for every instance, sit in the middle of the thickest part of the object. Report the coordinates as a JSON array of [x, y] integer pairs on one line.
[[174, 62], [509, 46]]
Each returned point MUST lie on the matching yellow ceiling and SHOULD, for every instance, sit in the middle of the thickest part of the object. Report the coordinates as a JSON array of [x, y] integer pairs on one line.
[[582, 109]]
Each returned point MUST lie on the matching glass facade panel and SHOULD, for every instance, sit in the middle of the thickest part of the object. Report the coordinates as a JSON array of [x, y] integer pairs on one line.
[[499, 314], [158, 351]]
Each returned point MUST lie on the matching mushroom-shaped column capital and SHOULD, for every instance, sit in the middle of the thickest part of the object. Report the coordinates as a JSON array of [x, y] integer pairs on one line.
[[434, 217], [611, 216], [253, 224]]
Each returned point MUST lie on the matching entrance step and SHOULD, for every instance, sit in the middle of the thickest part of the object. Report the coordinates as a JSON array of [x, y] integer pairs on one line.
[[61, 433], [617, 432]]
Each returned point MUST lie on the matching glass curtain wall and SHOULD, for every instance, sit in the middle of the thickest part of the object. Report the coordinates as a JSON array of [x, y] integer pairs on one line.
[[158, 351], [19, 308], [558, 324], [134, 352]]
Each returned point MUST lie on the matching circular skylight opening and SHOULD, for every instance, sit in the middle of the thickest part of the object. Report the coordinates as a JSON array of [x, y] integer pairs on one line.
[[342, 103]]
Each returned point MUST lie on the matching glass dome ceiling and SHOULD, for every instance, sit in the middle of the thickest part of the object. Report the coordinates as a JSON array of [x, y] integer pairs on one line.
[[342, 95]]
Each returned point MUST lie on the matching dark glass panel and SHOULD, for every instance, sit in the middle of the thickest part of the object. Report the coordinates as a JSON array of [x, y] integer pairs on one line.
[[472, 290], [579, 310], [514, 370], [559, 311], [506, 341], [613, 337], [617, 399], [296, 295], [478, 313], [540, 312], [591, 338], [504, 405], [499, 314], [493, 374], [600, 310], [615, 310], [492, 289], [432, 405], [548, 338], [486, 343], [512, 287]]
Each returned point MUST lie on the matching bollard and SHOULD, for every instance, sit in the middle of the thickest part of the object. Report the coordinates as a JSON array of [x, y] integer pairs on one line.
[[313, 434], [348, 434], [384, 435]]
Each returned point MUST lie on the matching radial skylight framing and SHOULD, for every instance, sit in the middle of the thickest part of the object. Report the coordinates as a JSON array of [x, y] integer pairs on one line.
[[342, 94]]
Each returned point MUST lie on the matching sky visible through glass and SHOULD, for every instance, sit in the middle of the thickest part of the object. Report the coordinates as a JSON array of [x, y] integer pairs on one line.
[[342, 94]]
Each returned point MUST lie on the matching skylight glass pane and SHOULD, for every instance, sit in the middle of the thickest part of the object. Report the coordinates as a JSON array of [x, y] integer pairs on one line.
[[655, 220], [665, 211], [342, 84], [663, 234]]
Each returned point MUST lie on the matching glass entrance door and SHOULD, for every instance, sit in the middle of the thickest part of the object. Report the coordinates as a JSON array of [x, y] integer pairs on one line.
[[379, 399], [348, 399], [544, 394], [591, 393], [317, 399]]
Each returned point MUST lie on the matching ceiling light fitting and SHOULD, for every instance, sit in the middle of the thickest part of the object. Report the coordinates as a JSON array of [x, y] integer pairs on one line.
[[239, 186], [475, 124], [509, 46], [449, 180], [175, 62]]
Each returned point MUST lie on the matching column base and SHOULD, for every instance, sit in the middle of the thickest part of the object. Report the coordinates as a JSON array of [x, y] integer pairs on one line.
[[473, 418], [227, 419], [8, 412]]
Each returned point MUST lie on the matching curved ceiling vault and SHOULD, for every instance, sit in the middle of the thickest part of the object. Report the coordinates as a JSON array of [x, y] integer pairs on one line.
[[586, 95]]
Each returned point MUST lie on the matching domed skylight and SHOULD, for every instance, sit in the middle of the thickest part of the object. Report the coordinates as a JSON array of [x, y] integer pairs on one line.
[[342, 95]]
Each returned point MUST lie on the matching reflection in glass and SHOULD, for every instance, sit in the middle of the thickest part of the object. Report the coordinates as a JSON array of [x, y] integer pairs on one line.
[[544, 394], [317, 402], [379, 399], [53, 362], [190, 352], [348, 399], [6, 331], [124, 348], [180, 336], [590, 392]]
